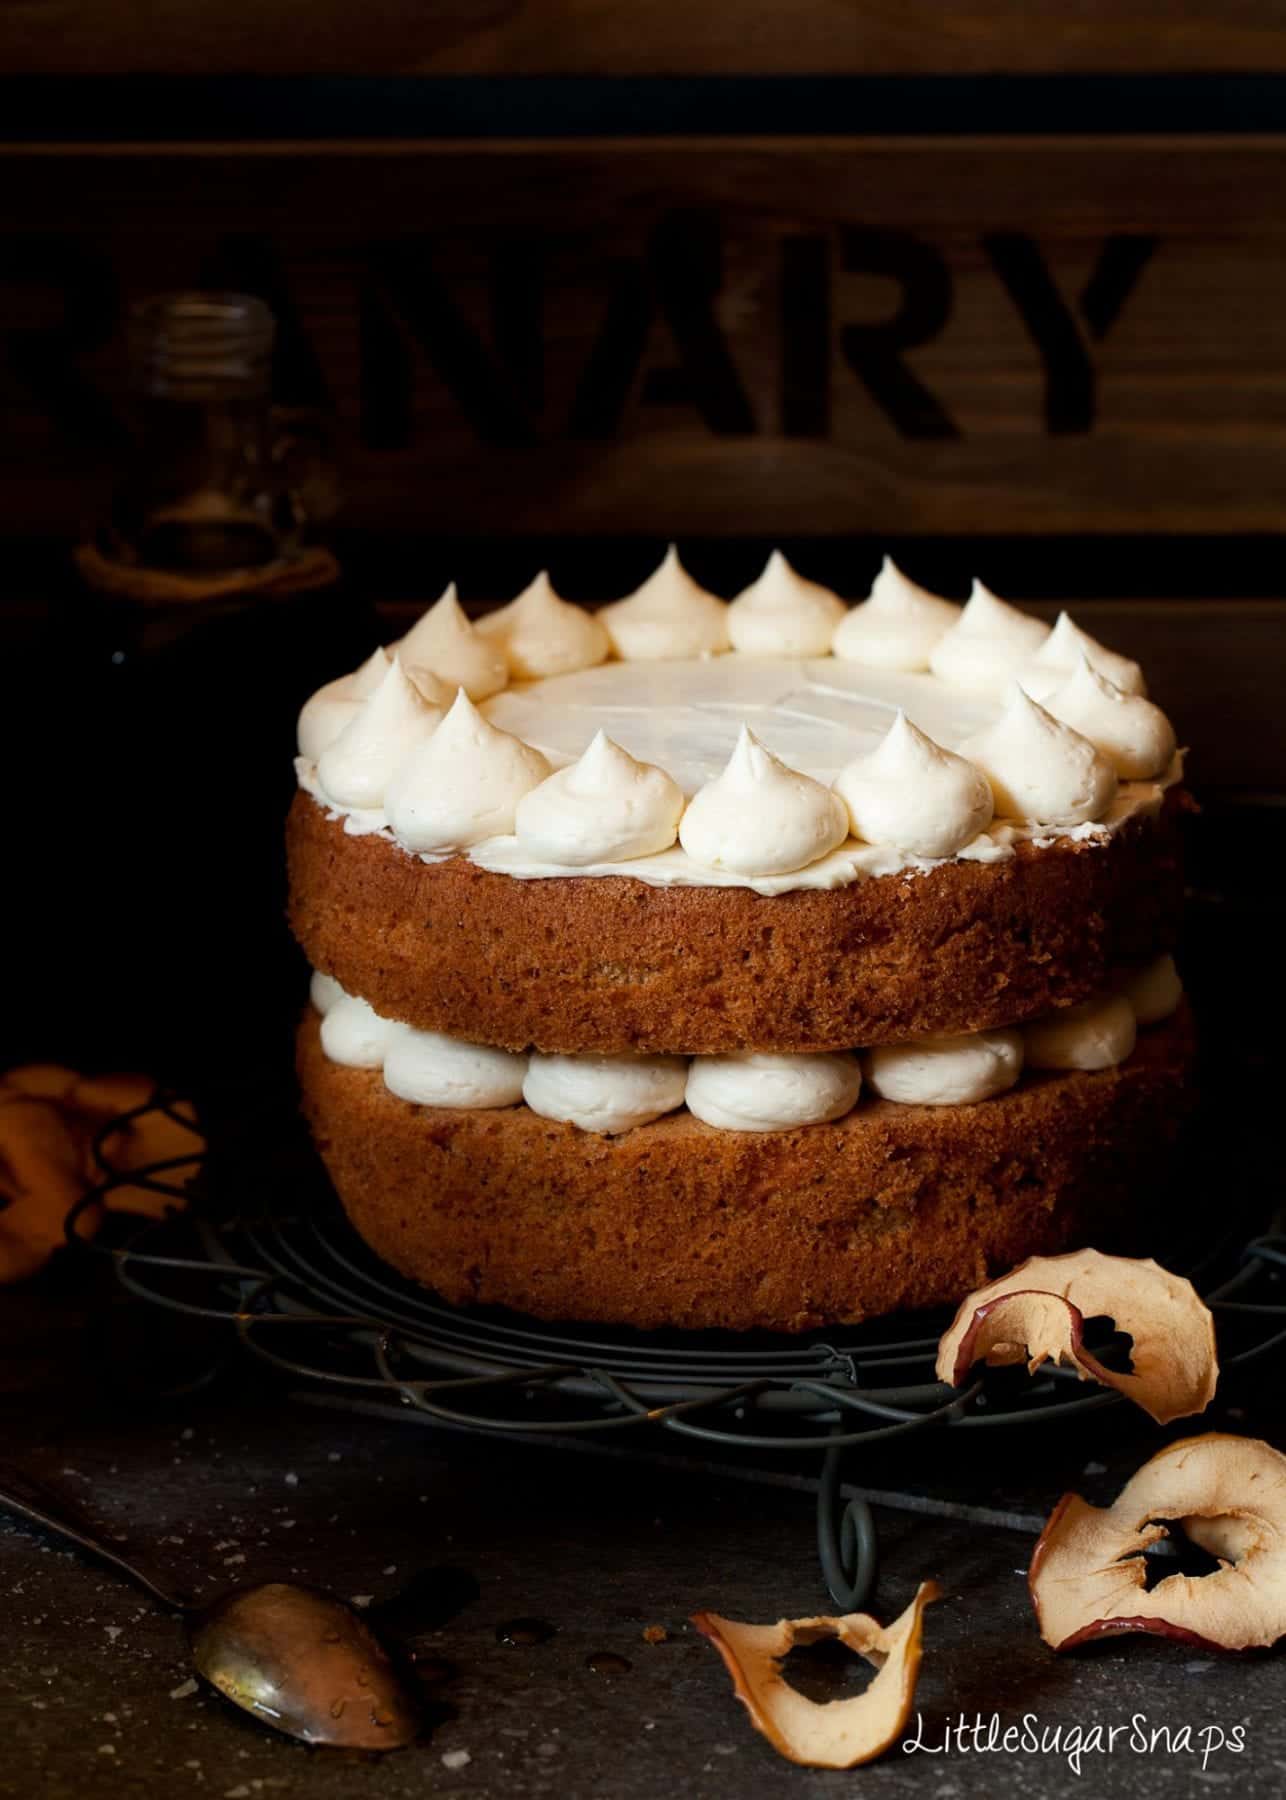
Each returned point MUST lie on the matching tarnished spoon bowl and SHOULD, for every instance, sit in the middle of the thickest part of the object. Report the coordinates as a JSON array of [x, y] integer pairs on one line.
[[299, 1659], [304, 1662]]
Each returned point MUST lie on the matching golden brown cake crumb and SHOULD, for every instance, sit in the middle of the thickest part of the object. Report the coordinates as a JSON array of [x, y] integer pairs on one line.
[[609, 964]]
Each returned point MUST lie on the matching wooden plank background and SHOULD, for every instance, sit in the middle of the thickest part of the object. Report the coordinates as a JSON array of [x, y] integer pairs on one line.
[[792, 337], [613, 37]]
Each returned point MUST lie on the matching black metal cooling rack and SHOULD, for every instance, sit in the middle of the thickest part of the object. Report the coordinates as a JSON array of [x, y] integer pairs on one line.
[[262, 1245]]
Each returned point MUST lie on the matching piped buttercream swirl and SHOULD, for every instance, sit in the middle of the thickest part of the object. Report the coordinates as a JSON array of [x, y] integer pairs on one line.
[[463, 784], [897, 626], [1063, 652], [1154, 991], [323, 991], [782, 614], [758, 817], [914, 795], [433, 1070], [605, 1093], [668, 618], [542, 634], [1039, 768], [988, 643], [443, 640], [356, 768], [760, 1092], [334, 705], [1097, 1034], [945, 1070], [354, 1034], [605, 807], [1134, 735]]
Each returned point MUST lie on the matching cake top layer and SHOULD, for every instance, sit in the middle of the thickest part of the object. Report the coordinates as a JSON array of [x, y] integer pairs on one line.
[[778, 741]]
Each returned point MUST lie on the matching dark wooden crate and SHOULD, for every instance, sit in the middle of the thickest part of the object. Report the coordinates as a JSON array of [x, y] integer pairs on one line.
[[785, 337], [491, 37]]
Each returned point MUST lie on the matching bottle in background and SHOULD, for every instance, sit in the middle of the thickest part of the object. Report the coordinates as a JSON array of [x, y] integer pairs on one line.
[[204, 613]]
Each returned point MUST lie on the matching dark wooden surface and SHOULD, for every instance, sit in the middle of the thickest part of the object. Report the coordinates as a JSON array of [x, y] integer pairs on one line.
[[238, 1484], [809, 337], [484, 37]]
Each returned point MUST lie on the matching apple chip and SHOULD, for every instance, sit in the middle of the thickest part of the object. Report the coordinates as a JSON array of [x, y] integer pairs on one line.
[[1038, 1311], [1088, 1575], [836, 1734]]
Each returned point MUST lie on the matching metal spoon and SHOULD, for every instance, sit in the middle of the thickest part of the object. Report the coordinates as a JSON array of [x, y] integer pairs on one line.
[[299, 1659]]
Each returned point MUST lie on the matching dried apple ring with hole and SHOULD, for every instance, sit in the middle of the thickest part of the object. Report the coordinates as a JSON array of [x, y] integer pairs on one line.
[[1037, 1313], [1088, 1576], [835, 1734]]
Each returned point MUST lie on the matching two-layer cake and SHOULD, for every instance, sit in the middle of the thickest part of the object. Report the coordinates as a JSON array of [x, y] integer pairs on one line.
[[765, 964]]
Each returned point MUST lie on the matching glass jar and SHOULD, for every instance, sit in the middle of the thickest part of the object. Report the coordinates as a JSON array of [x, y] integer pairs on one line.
[[208, 488]]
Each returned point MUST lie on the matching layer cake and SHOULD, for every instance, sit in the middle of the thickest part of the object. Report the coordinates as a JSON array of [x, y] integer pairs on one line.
[[766, 964]]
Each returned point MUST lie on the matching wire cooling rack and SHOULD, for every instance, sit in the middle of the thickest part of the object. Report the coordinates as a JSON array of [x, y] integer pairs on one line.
[[256, 1239]]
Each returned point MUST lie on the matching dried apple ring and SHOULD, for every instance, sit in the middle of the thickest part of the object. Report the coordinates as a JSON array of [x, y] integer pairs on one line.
[[1088, 1576], [1037, 1313], [837, 1734]]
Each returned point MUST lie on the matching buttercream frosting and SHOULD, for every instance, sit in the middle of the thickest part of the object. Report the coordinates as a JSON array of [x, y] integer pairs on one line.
[[817, 715], [759, 817], [443, 640], [605, 1093], [1154, 991], [988, 643], [604, 807], [1063, 651], [463, 784], [668, 618], [364, 680], [355, 770], [354, 1034], [324, 991], [1134, 735], [782, 614], [1039, 768], [759, 1092], [1094, 1035], [325, 713], [748, 1092], [944, 1070], [915, 795], [897, 626], [433, 1070], [542, 634]]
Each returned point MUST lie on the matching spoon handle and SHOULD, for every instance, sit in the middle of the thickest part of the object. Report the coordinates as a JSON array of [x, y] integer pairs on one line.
[[21, 1496]]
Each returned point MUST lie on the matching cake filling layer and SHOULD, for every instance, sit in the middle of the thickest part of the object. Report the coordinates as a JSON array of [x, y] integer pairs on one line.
[[748, 1092]]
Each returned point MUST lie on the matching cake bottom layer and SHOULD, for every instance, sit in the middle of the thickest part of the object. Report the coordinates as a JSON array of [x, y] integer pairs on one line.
[[677, 1224]]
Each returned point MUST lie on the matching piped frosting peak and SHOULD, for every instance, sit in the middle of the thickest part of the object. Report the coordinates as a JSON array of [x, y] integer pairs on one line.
[[1134, 735], [444, 641], [356, 768], [897, 626], [911, 793], [782, 614], [989, 642], [325, 713], [759, 817], [463, 785], [605, 807], [1039, 768], [668, 618], [541, 634], [1061, 655]]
